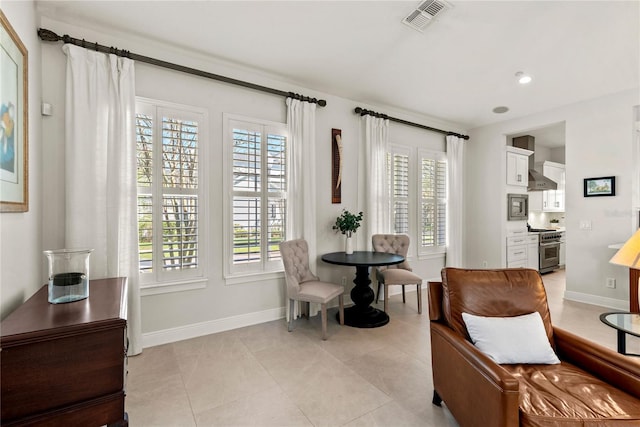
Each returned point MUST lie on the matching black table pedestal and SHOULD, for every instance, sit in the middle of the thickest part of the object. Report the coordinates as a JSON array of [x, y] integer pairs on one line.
[[362, 315]]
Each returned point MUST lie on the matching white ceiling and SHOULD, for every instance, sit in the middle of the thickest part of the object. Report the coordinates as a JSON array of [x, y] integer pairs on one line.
[[458, 69]]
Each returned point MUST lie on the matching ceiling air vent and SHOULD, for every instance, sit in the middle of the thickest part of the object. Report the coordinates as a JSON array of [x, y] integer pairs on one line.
[[424, 13]]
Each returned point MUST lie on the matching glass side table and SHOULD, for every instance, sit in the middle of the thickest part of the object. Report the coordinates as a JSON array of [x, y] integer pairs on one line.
[[625, 323]]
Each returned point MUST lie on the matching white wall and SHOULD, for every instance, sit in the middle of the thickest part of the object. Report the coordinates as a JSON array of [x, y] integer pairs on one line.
[[599, 142], [544, 154], [176, 315], [21, 259], [601, 135]]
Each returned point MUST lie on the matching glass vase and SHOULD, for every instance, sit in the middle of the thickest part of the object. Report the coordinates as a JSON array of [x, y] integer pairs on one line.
[[68, 275]]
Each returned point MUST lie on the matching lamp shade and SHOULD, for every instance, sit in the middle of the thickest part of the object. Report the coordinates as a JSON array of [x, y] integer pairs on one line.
[[629, 254]]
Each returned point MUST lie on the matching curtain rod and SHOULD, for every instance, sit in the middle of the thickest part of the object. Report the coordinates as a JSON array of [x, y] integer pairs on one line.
[[364, 112], [48, 35]]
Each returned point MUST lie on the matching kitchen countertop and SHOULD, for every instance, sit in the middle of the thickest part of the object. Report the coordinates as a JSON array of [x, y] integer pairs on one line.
[[558, 229]]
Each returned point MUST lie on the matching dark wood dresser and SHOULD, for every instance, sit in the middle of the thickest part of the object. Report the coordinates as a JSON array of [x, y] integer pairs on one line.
[[64, 364]]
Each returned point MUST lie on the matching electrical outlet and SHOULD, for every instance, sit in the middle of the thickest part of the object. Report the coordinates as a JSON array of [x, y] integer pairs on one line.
[[485, 264], [611, 283], [344, 280]]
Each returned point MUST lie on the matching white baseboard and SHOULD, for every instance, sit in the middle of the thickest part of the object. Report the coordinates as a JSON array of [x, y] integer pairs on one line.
[[166, 336], [617, 304]]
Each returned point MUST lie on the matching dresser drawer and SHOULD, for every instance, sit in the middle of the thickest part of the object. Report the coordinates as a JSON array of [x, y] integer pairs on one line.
[[40, 376], [64, 364]]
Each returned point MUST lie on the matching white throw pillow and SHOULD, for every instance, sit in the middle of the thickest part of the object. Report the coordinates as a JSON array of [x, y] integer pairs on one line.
[[518, 339]]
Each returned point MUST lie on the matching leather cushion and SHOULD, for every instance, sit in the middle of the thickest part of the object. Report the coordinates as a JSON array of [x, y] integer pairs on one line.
[[562, 395], [493, 293]]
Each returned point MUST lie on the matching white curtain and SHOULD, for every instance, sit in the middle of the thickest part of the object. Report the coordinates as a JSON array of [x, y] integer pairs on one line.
[[376, 206], [455, 209], [301, 200], [100, 156]]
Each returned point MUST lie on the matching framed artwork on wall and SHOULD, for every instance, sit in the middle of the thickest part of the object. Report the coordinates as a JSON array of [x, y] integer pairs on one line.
[[598, 187], [336, 166], [14, 174]]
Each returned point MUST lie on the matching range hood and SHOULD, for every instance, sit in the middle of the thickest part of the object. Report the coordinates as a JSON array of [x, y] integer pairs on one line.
[[537, 181]]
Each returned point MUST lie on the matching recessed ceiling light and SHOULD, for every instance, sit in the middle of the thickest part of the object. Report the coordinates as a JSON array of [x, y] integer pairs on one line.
[[523, 78], [500, 110]]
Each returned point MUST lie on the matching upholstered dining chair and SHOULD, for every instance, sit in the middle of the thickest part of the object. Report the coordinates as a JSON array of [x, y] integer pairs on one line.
[[399, 274], [304, 286]]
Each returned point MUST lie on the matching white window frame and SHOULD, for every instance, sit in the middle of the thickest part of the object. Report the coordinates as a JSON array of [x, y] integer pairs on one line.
[[398, 150], [160, 281], [436, 250], [415, 197], [265, 269]]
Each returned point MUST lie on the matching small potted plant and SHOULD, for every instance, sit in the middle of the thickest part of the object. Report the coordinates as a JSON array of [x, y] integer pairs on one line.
[[348, 224]]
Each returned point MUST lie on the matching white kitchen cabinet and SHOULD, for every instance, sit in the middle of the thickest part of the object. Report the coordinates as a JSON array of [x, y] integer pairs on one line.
[[532, 251], [518, 166], [535, 201], [553, 200], [522, 251]]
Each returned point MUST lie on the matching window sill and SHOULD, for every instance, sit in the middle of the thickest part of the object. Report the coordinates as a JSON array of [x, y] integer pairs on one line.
[[240, 278], [170, 287]]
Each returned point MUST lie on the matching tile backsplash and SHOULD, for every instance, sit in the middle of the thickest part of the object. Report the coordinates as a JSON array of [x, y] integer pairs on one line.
[[543, 219]]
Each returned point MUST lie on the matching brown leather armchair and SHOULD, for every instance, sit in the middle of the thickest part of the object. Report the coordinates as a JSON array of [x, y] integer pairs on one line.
[[592, 386]]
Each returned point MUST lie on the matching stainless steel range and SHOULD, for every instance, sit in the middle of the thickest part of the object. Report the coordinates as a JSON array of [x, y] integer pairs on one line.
[[549, 250]]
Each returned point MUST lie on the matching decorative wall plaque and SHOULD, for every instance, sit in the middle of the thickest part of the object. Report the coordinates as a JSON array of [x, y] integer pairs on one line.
[[336, 166]]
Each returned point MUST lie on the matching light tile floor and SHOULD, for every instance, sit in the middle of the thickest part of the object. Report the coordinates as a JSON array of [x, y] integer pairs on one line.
[[264, 376]]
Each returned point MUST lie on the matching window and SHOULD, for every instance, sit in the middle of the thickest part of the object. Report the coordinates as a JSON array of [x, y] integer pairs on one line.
[[170, 201], [433, 202], [418, 210], [257, 184], [398, 180]]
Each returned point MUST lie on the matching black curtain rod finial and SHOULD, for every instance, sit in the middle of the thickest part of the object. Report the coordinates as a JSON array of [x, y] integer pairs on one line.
[[48, 35]]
